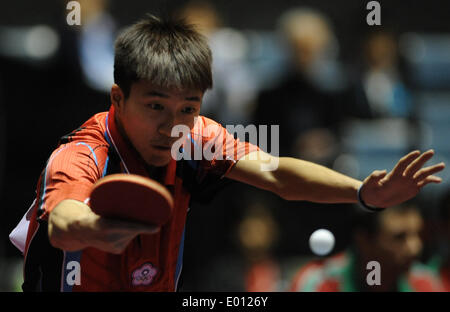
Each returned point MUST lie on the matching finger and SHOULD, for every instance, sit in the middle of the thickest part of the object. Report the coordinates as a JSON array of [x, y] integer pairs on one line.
[[429, 179], [404, 162], [425, 172], [142, 228], [130, 227], [418, 163], [377, 175]]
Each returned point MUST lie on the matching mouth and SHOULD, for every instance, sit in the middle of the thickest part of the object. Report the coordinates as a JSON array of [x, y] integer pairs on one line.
[[163, 148]]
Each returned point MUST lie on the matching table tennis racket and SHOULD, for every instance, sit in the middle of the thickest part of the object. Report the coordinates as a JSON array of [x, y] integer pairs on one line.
[[132, 198]]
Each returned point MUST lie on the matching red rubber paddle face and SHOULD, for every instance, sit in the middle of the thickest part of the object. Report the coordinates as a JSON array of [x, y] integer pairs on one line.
[[132, 198]]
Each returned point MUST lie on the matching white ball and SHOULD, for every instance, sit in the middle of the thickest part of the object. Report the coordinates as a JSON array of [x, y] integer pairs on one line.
[[321, 242]]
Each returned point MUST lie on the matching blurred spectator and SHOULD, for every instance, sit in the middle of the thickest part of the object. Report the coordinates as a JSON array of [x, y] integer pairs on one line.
[[440, 262], [87, 51], [242, 251], [315, 96], [385, 89], [96, 44], [392, 238], [258, 233], [50, 96], [230, 101], [309, 103]]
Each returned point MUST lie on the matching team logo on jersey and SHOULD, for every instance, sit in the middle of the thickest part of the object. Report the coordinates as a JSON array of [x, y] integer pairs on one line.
[[144, 275]]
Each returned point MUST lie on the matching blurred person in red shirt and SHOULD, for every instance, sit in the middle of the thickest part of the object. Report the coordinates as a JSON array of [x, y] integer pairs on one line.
[[393, 239], [258, 233], [440, 262]]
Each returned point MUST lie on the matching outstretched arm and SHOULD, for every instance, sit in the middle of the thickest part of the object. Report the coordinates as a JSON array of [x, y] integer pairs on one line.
[[72, 226], [296, 179]]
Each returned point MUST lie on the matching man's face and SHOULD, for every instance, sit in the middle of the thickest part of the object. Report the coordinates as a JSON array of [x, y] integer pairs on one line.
[[398, 242], [148, 115]]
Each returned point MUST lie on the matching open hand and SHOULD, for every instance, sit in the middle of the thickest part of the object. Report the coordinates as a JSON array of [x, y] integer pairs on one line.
[[382, 189]]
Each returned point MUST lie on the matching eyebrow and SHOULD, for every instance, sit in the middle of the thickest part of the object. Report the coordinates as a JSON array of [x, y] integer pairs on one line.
[[164, 95]]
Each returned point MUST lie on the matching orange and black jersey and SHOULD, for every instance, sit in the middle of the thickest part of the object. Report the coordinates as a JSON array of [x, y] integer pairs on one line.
[[151, 262]]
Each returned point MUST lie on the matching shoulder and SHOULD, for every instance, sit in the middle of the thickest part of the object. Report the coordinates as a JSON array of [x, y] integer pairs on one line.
[[93, 131], [206, 129], [422, 278], [85, 148], [321, 275]]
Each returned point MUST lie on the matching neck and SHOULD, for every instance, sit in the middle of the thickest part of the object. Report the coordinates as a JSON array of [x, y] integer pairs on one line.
[[127, 141], [132, 159]]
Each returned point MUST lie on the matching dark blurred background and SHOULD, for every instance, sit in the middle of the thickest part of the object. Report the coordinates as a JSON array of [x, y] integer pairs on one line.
[[346, 95]]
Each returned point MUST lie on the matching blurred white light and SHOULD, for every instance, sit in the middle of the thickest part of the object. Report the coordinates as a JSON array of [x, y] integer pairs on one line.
[[229, 45], [41, 42]]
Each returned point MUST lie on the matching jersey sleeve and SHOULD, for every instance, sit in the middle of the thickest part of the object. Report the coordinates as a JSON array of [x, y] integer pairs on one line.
[[220, 150], [209, 153], [70, 173]]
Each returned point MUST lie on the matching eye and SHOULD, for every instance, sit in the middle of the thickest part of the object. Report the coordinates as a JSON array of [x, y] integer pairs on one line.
[[400, 236], [189, 110], [155, 106]]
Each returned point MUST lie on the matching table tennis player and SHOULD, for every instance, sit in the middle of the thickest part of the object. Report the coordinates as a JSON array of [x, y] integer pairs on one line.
[[162, 69]]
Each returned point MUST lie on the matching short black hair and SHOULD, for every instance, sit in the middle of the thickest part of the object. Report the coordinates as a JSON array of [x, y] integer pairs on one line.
[[169, 53]]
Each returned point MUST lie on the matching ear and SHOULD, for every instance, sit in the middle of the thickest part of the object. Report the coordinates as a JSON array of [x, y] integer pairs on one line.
[[117, 96]]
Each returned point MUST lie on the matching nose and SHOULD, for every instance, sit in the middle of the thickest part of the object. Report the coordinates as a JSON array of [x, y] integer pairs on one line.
[[414, 246], [165, 128]]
